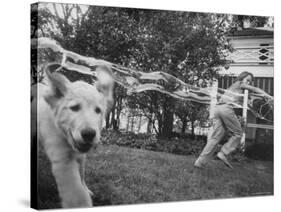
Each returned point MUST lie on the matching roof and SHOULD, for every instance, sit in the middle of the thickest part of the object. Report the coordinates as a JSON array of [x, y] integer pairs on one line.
[[251, 32]]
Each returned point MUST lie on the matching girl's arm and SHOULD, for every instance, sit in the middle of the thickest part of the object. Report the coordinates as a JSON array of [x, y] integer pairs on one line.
[[254, 89]]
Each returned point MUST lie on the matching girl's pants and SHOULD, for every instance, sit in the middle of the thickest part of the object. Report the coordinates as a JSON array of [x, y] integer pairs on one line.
[[224, 119]]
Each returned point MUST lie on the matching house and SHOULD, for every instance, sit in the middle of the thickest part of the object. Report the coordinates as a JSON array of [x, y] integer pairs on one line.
[[253, 52]]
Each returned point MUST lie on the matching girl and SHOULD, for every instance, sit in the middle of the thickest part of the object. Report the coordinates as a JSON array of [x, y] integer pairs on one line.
[[226, 119]]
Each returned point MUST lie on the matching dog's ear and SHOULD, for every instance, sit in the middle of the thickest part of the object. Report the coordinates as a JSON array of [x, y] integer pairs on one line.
[[105, 83], [58, 84]]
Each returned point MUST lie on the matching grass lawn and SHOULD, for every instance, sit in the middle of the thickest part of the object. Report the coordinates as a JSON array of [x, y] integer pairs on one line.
[[119, 175]]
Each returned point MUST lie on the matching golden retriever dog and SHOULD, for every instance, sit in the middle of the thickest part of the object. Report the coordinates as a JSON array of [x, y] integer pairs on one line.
[[69, 120]]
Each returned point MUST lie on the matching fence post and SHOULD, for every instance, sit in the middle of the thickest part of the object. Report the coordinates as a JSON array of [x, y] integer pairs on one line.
[[214, 92], [245, 109], [63, 61]]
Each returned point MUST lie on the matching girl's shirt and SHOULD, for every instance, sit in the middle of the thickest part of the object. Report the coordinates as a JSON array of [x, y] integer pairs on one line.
[[231, 97]]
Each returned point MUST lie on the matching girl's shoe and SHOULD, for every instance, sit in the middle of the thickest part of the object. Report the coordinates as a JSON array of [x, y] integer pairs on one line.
[[222, 157], [199, 164]]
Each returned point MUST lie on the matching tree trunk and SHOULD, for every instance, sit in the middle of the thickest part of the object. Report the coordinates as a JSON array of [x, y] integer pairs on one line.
[[149, 125], [167, 128], [160, 124], [132, 123], [192, 129], [139, 127], [128, 123], [107, 121], [112, 118], [115, 124], [117, 120], [118, 111], [184, 124]]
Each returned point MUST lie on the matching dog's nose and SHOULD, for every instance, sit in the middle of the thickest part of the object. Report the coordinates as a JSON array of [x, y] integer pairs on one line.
[[88, 135]]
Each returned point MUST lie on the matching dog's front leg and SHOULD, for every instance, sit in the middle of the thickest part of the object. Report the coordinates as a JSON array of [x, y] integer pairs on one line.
[[70, 187], [82, 163]]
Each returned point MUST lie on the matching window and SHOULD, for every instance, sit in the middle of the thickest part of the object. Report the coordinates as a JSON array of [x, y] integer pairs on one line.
[[264, 53]]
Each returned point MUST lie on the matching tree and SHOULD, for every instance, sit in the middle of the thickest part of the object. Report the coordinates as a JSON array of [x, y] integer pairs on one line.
[[97, 31], [187, 45], [191, 112], [255, 21]]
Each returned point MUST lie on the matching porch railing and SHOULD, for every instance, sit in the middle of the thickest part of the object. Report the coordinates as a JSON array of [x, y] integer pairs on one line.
[[252, 55]]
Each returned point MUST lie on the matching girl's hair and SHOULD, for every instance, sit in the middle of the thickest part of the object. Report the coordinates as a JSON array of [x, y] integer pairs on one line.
[[244, 74]]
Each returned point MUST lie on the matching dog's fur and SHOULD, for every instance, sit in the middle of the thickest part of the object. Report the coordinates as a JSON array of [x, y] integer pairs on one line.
[[68, 121]]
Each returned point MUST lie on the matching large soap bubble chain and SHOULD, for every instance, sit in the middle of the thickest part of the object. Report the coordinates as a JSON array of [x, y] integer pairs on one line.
[[137, 81]]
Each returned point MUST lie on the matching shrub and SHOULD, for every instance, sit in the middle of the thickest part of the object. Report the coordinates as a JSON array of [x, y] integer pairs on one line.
[[260, 151], [182, 144]]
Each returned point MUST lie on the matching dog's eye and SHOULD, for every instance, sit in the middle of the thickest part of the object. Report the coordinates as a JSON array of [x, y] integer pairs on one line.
[[97, 110], [75, 108]]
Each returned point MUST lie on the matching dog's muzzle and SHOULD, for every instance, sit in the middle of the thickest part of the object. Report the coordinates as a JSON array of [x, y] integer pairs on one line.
[[83, 147], [88, 135]]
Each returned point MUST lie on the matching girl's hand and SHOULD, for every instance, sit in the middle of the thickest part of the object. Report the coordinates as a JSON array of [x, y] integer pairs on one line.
[[266, 96], [242, 121], [269, 99]]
